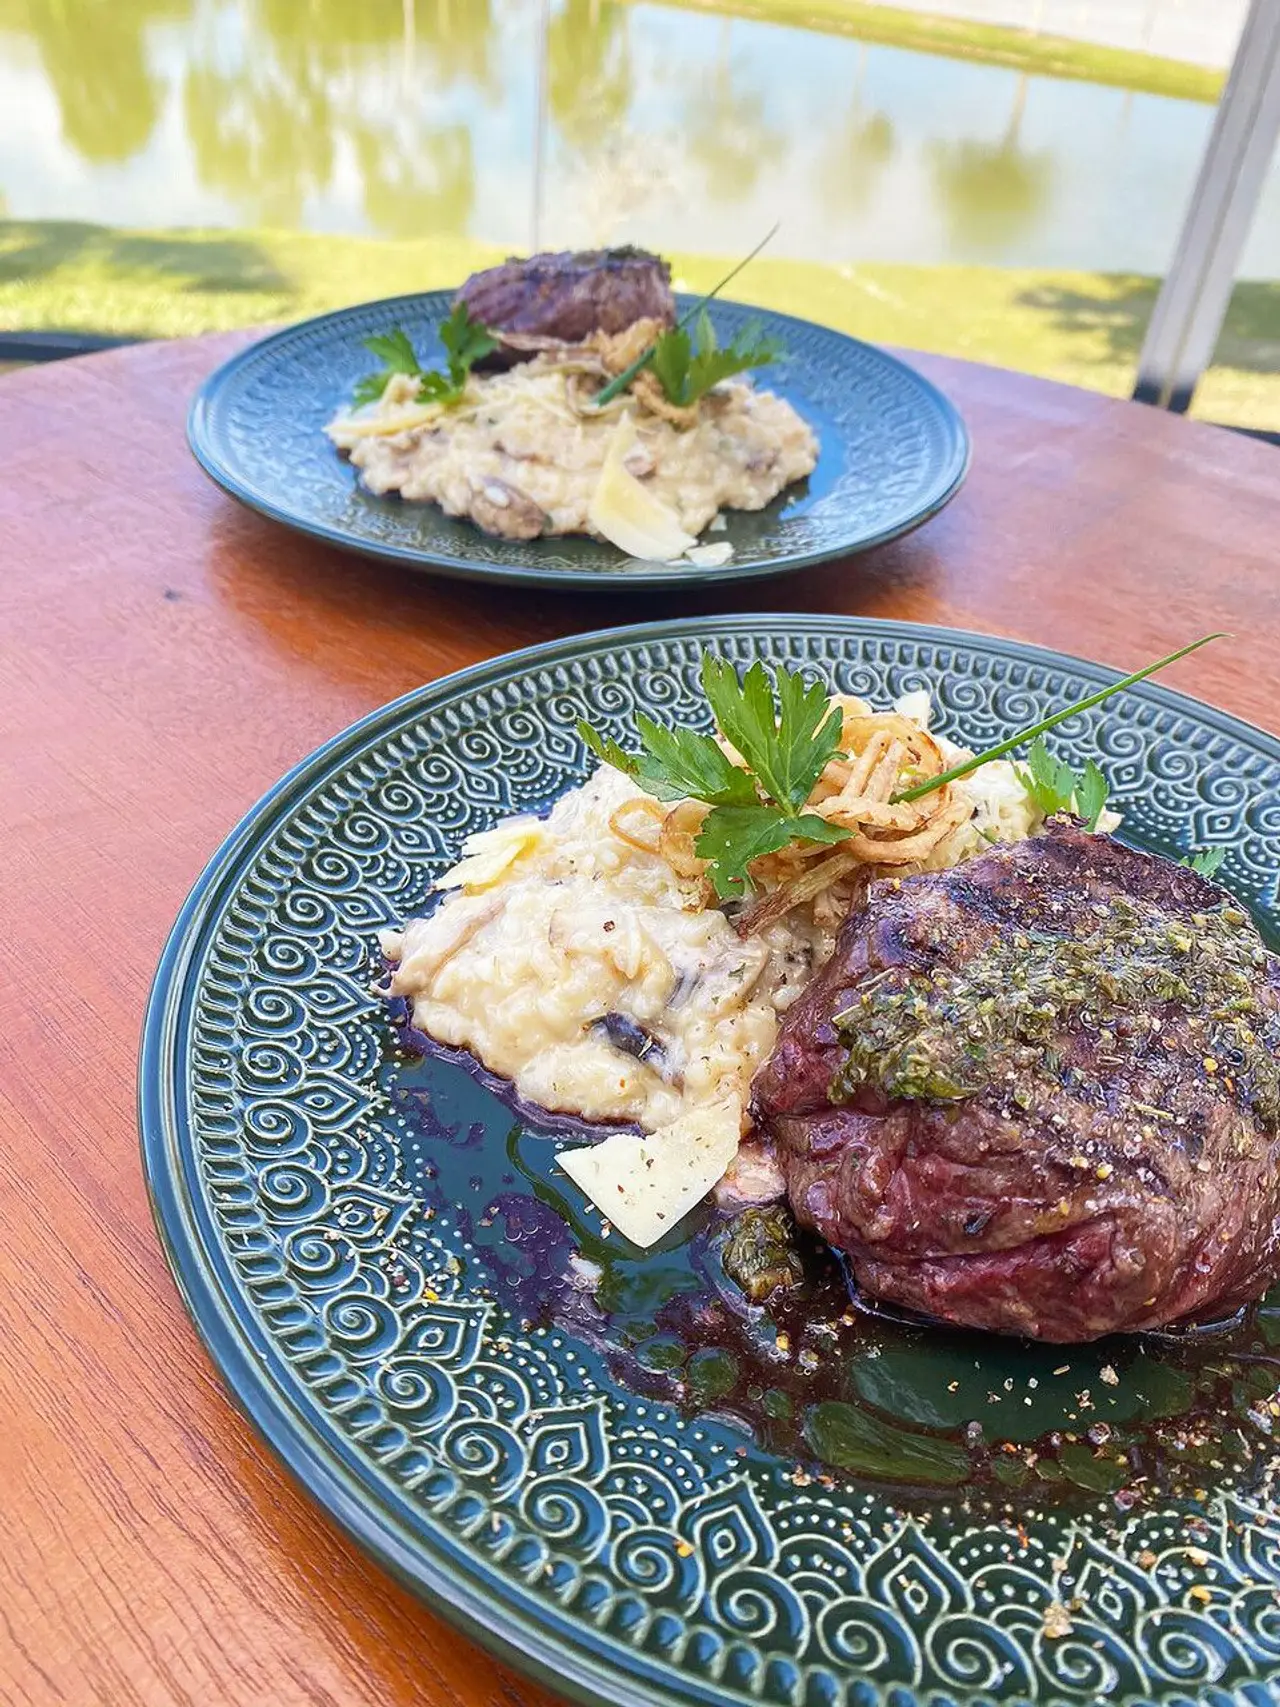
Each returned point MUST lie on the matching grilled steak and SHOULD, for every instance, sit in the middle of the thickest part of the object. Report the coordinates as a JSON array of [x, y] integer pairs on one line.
[[564, 298], [1040, 1094]]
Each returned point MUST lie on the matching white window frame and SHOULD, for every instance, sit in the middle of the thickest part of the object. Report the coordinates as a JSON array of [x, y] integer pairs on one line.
[[1193, 300]]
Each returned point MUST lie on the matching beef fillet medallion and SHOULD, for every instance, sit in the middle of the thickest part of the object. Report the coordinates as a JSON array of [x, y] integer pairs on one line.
[[1039, 1093]]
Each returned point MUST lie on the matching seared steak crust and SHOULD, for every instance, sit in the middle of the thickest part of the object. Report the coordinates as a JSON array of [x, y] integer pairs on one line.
[[566, 297], [1051, 1106]]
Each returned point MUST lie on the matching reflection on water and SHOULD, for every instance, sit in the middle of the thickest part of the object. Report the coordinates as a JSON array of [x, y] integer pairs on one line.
[[728, 133], [580, 120], [589, 72], [283, 102], [996, 192]]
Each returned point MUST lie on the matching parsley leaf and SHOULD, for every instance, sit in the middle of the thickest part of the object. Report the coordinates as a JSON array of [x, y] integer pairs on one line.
[[732, 836], [394, 351], [1055, 787], [465, 342], [607, 750], [751, 347], [1205, 862], [696, 764], [639, 766], [676, 764], [438, 388], [784, 741], [1091, 795], [370, 388], [1050, 783], [687, 368], [670, 361], [788, 744]]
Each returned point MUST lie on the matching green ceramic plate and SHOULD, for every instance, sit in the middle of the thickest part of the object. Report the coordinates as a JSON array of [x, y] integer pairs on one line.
[[628, 1490], [894, 451]]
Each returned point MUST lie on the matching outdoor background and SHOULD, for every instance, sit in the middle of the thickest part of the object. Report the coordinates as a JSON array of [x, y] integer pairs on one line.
[[998, 179]]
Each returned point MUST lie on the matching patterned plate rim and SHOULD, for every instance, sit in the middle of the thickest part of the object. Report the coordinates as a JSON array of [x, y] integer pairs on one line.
[[207, 398], [558, 1652]]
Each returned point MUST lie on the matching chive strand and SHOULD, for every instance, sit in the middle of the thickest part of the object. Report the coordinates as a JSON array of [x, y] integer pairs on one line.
[[623, 380], [1041, 728]]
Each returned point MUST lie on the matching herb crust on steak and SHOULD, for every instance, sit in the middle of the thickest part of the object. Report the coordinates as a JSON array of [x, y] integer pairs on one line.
[[1039, 1093]]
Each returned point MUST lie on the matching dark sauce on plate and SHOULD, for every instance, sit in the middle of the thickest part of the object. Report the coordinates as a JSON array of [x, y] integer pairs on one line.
[[835, 1388]]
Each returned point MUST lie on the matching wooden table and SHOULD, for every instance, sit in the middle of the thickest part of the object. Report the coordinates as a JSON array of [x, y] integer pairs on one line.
[[164, 656]]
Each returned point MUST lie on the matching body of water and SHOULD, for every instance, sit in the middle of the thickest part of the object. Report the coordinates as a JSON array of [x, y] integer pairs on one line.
[[518, 122]]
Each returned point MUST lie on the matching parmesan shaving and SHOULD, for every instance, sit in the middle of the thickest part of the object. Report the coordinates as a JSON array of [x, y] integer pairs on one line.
[[917, 705], [348, 430], [626, 514], [490, 854], [646, 1185], [710, 556]]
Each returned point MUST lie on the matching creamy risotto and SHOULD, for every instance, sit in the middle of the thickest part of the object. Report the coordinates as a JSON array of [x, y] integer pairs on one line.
[[586, 971], [522, 457], [589, 972]]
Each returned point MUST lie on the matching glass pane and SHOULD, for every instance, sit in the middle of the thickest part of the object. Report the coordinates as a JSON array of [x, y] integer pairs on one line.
[[255, 159], [1000, 179], [961, 199]]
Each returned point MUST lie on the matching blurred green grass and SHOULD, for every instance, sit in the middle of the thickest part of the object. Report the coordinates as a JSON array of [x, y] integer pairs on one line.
[[1083, 328]]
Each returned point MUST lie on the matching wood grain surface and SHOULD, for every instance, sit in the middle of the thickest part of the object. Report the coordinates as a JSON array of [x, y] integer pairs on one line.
[[164, 656]]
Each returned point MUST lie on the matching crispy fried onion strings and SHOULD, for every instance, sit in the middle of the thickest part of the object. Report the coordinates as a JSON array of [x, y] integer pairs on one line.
[[638, 822], [880, 753], [838, 871], [679, 833]]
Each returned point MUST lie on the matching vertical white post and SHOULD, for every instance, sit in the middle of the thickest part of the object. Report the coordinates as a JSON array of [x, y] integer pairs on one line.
[[540, 125], [1196, 292]]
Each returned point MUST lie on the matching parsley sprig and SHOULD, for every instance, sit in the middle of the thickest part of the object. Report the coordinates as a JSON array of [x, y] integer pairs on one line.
[[465, 342], [619, 384], [1205, 861], [1055, 787], [785, 741], [688, 367]]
